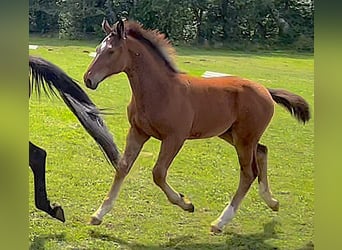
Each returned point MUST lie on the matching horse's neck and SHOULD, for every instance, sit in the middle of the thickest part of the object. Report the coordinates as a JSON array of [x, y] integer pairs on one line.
[[148, 76]]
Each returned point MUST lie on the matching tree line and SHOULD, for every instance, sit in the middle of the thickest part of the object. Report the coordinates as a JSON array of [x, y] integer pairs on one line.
[[234, 23]]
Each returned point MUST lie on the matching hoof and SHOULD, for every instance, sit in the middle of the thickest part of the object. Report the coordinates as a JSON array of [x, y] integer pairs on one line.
[[57, 212], [94, 221], [189, 207], [215, 229], [275, 207]]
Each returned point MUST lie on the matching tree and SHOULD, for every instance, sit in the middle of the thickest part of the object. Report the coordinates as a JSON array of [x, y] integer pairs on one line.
[[285, 23], [171, 17], [43, 16]]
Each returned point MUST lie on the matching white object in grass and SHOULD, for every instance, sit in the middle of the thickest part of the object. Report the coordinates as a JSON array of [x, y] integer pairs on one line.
[[33, 46], [209, 74], [92, 54]]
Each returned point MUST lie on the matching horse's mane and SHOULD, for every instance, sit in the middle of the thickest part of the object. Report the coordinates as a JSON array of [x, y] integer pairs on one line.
[[155, 40]]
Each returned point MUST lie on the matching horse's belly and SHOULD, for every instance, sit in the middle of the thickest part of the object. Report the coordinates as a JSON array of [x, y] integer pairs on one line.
[[209, 129], [201, 135]]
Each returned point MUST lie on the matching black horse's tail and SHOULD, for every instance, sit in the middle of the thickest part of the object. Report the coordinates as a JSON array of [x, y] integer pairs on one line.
[[295, 104], [48, 77]]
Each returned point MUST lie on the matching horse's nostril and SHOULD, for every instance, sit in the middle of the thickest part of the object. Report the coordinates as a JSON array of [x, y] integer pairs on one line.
[[88, 82]]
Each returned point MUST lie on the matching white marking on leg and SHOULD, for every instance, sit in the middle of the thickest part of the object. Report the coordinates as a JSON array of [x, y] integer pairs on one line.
[[172, 195], [265, 193], [108, 202], [226, 216], [105, 207]]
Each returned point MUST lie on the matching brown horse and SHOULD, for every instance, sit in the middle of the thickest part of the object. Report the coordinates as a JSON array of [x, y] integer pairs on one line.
[[173, 106]]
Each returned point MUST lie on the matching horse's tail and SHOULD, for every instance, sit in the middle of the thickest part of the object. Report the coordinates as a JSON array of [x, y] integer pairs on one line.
[[48, 77], [295, 104]]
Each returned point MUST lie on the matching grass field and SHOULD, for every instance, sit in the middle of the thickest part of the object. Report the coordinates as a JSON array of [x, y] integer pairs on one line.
[[206, 171]]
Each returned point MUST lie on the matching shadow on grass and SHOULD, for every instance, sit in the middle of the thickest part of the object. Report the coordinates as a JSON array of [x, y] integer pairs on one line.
[[232, 241], [39, 241]]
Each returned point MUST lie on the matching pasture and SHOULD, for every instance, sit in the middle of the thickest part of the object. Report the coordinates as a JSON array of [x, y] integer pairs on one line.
[[78, 176]]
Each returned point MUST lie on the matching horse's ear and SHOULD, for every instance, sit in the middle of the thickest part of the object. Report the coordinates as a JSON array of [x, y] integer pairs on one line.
[[106, 27], [120, 29]]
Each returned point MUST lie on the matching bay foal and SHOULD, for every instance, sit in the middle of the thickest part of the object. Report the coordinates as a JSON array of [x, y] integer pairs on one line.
[[173, 107]]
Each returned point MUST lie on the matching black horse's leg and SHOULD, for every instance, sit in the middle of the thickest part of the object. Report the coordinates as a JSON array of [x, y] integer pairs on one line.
[[37, 163]]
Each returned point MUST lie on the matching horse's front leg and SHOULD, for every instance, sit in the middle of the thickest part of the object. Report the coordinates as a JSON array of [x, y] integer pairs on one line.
[[169, 149], [37, 160], [134, 142]]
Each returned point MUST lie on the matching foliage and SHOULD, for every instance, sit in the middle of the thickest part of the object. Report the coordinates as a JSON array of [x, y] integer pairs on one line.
[[266, 23], [43, 16]]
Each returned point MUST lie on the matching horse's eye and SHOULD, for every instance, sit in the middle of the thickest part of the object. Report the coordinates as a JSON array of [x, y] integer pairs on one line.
[[111, 52]]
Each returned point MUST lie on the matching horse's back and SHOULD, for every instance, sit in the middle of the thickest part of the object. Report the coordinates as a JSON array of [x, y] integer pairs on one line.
[[224, 101], [226, 83], [227, 87]]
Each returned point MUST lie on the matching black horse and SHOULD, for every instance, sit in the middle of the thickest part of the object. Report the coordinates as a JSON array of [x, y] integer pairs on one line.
[[49, 78]]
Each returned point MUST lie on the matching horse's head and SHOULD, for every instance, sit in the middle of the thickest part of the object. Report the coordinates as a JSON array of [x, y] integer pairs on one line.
[[111, 55]]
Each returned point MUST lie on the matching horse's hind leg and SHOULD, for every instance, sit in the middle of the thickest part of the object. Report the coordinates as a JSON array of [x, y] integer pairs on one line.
[[37, 159], [248, 172], [264, 189], [134, 142], [169, 149]]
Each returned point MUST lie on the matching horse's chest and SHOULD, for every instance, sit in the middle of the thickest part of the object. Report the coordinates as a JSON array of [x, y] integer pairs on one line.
[[162, 119], [150, 127]]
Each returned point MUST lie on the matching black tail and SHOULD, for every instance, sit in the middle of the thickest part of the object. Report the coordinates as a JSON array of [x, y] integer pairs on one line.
[[295, 104], [48, 77]]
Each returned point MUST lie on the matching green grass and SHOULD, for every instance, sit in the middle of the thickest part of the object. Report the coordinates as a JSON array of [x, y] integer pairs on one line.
[[207, 171]]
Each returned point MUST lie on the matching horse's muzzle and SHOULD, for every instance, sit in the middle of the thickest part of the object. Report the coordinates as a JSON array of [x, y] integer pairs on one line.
[[88, 83]]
